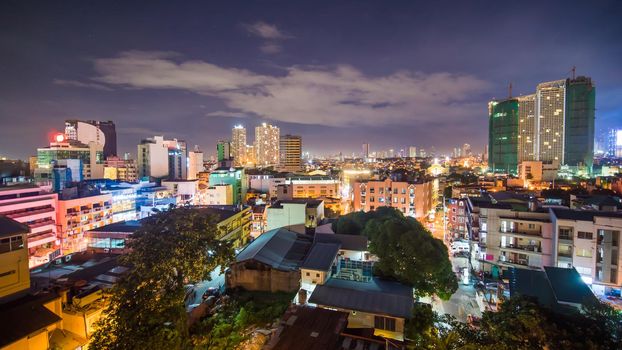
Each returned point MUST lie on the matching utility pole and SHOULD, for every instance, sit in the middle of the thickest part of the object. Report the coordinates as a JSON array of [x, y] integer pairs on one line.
[[574, 71]]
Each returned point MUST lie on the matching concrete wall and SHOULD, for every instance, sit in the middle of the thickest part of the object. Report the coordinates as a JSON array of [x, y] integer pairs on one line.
[[255, 276]]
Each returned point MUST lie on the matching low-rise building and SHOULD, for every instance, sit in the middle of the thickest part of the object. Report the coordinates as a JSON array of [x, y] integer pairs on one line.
[[185, 190], [307, 212], [119, 169], [270, 263], [411, 198], [75, 215], [218, 194]]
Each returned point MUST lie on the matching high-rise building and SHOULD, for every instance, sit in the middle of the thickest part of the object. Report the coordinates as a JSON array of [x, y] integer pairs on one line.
[[556, 124], [290, 153], [100, 132], [223, 150], [526, 127], [177, 159], [614, 143], [579, 123], [412, 152], [195, 163], [366, 150], [153, 158], [503, 136], [238, 145], [466, 150], [550, 109], [267, 145]]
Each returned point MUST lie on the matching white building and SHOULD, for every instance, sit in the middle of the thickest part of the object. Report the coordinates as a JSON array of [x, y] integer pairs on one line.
[[589, 241], [153, 158], [185, 190], [195, 163], [307, 212]]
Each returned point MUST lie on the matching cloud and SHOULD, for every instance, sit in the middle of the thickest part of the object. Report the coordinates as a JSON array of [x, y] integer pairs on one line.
[[334, 96], [75, 83], [266, 31], [271, 48]]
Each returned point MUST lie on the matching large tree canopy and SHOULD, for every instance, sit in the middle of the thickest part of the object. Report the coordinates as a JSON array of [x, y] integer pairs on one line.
[[146, 309], [406, 250]]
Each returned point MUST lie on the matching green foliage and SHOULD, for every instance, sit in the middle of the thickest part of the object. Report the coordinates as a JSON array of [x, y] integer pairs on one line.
[[227, 329], [522, 324], [330, 213], [146, 309], [406, 250]]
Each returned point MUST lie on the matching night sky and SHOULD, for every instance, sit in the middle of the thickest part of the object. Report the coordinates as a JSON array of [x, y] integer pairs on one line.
[[339, 73]]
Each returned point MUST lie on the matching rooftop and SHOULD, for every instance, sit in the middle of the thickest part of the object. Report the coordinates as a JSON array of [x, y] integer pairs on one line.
[[121, 226], [306, 328], [376, 296], [348, 242], [555, 287], [321, 256], [10, 227], [22, 317], [311, 203], [583, 215], [280, 248]]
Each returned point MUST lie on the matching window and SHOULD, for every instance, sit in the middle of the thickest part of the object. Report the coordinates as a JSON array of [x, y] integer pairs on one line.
[[585, 235], [308, 274], [565, 233], [317, 275], [583, 270], [386, 323], [586, 253]]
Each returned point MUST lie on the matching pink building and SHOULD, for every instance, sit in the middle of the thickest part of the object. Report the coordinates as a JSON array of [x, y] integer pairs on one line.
[[35, 207], [411, 198]]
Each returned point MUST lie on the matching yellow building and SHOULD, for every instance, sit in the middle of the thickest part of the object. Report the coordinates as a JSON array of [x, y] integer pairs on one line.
[[45, 320]]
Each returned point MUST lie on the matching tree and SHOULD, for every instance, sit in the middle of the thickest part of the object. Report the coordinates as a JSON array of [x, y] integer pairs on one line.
[[146, 307], [406, 250]]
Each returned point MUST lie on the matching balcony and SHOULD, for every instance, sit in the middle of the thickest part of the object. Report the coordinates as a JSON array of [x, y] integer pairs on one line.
[[520, 262], [526, 248], [521, 233], [565, 237], [29, 213]]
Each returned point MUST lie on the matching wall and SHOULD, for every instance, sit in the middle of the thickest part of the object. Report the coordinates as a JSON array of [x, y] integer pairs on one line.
[[289, 214], [256, 276]]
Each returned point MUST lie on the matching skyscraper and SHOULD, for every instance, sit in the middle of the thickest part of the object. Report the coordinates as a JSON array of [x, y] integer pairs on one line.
[[100, 132], [526, 127], [266, 145], [466, 150], [238, 145], [550, 109], [503, 136], [579, 123], [412, 152], [290, 153], [554, 125], [366, 150]]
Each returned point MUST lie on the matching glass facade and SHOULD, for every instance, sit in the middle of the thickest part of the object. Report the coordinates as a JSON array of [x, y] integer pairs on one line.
[[503, 136], [579, 124]]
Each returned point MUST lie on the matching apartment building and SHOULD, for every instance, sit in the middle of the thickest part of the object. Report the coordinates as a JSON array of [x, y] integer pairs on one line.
[[411, 198], [509, 234], [313, 186], [35, 207], [77, 214], [589, 241]]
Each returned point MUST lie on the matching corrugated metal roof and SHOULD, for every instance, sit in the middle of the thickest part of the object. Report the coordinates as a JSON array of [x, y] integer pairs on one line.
[[280, 248], [376, 297], [348, 242], [321, 256]]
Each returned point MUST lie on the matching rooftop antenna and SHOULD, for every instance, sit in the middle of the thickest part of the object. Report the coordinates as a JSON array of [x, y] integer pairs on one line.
[[574, 71], [510, 90]]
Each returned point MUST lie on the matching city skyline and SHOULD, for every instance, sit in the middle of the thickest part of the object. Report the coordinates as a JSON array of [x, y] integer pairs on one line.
[[412, 71]]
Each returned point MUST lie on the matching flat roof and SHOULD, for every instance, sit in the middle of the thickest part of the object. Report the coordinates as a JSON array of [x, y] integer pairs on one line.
[[376, 296], [310, 202], [121, 226], [583, 215], [10, 227]]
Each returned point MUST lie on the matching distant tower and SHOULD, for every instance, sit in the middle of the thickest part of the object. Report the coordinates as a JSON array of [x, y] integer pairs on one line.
[[267, 145], [238, 145]]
